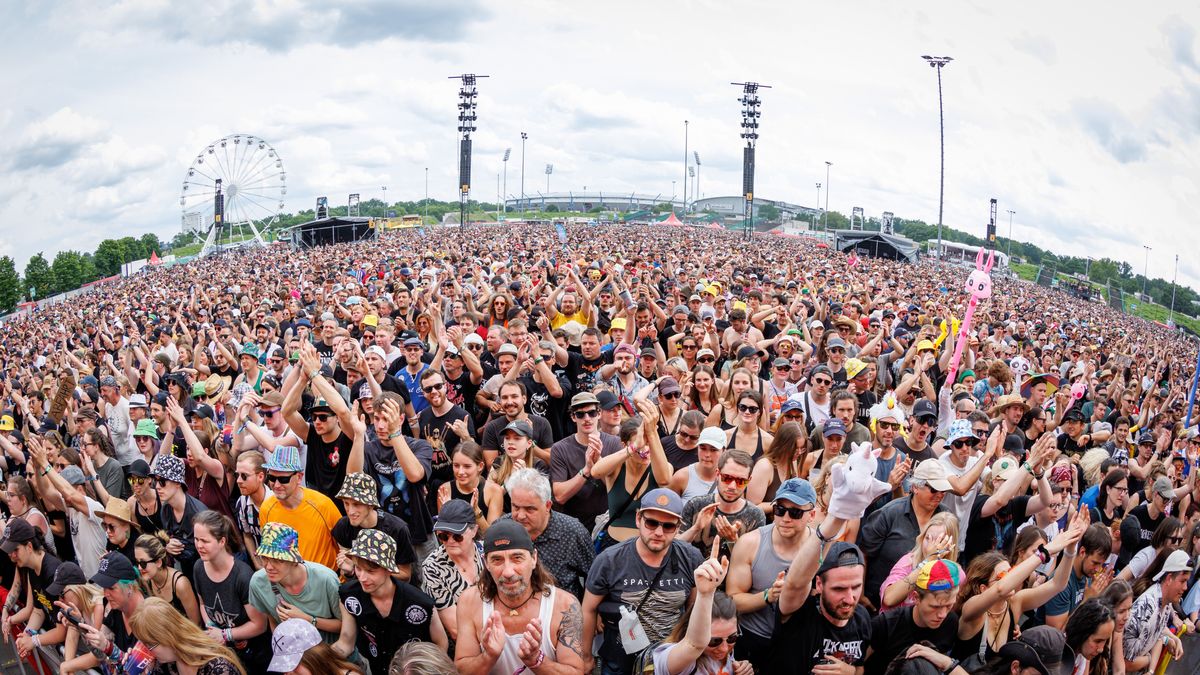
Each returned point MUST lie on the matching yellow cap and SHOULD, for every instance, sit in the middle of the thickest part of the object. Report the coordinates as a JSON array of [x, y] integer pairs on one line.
[[854, 367], [925, 344], [370, 320], [7, 423], [739, 305], [618, 323]]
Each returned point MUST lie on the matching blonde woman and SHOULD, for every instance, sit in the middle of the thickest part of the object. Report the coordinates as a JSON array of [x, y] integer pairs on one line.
[[938, 539], [171, 638], [87, 601]]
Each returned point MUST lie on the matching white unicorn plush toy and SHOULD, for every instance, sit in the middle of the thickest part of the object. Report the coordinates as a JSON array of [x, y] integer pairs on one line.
[[854, 483]]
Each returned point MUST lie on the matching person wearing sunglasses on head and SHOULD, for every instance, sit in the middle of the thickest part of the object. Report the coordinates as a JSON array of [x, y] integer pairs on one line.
[[656, 604], [724, 513], [576, 490]]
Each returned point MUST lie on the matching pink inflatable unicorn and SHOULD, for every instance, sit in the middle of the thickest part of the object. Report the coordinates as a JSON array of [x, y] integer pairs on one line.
[[979, 285]]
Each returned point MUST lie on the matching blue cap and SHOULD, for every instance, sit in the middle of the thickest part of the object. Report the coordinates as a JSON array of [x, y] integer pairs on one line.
[[1146, 436], [798, 491], [791, 404], [662, 499], [834, 427], [285, 459], [414, 342], [303, 322]]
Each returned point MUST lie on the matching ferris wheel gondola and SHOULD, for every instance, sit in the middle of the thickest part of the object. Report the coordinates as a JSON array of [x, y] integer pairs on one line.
[[232, 192]]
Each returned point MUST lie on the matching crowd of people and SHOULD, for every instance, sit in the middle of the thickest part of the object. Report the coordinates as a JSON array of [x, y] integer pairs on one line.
[[638, 449]]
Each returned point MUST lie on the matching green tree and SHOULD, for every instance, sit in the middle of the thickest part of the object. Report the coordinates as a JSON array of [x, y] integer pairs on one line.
[[768, 213], [109, 257], [10, 285], [151, 244], [71, 269], [39, 280]]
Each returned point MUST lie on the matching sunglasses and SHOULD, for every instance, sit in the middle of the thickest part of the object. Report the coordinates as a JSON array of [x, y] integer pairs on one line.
[[144, 564], [735, 481], [823, 381], [689, 346], [433, 387], [980, 433], [447, 536], [244, 476], [964, 443], [731, 640], [672, 395], [269, 413], [794, 416], [793, 512], [109, 527], [1174, 540], [891, 426], [752, 409], [653, 524], [581, 414], [707, 359], [272, 478], [137, 480], [836, 350], [686, 436], [783, 368], [927, 420], [321, 417], [161, 482]]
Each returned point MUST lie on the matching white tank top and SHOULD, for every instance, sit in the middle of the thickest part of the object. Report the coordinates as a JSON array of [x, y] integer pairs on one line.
[[510, 661]]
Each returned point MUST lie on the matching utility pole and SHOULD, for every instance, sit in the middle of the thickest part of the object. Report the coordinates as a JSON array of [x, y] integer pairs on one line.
[[1010, 215], [827, 165], [524, 137], [1146, 274]]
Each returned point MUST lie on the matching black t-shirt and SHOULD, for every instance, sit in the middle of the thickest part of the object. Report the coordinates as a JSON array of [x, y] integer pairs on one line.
[[540, 402], [996, 531], [1136, 532], [325, 467], [378, 637], [397, 494], [901, 444], [40, 582], [344, 534], [1069, 445], [437, 432], [866, 400], [895, 631], [677, 456], [584, 373], [121, 636], [493, 433], [805, 637], [461, 390], [225, 603]]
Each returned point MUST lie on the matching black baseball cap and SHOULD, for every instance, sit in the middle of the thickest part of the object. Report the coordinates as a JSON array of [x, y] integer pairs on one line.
[[139, 468], [17, 532], [506, 535], [840, 554], [67, 574], [114, 568], [608, 400]]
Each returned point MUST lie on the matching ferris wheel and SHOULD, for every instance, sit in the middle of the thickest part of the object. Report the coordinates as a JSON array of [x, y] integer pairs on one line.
[[233, 190]]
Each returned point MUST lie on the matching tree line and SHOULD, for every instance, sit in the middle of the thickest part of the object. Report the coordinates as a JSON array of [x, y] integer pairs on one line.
[[70, 269]]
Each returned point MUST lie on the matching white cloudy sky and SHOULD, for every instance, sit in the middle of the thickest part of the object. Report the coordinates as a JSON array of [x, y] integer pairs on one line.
[[1086, 123]]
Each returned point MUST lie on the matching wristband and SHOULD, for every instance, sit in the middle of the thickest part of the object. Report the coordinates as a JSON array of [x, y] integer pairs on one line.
[[541, 657], [1043, 553], [228, 635], [1027, 467], [766, 597], [395, 434], [952, 666], [314, 374], [37, 642], [30, 632], [313, 620]]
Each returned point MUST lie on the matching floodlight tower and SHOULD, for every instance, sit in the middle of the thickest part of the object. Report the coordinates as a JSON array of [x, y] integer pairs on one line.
[[466, 124], [750, 116]]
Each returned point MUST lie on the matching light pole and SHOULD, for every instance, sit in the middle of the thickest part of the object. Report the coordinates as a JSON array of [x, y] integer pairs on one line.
[[697, 156], [385, 201], [937, 62], [827, 165], [1146, 273], [818, 205], [750, 116], [1010, 215], [549, 170], [467, 116], [426, 194], [685, 166], [672, 195], [1173, 279], [524, 137], [504, 192]]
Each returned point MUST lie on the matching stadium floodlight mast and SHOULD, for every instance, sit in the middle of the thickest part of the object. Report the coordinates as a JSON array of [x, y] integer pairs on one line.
[[504, 194], [549, 170], [466, 124], [685, 167], [828, 165], [697, 156], [814, 224], [1011, 213], [937, 63], [1146, 273], [524, 137], [750, 116]]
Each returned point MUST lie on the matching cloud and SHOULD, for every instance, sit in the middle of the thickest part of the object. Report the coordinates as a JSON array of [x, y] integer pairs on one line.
[[53, 141], [1180, 36], [1105, 123], [1039, 47], [284, 26]]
